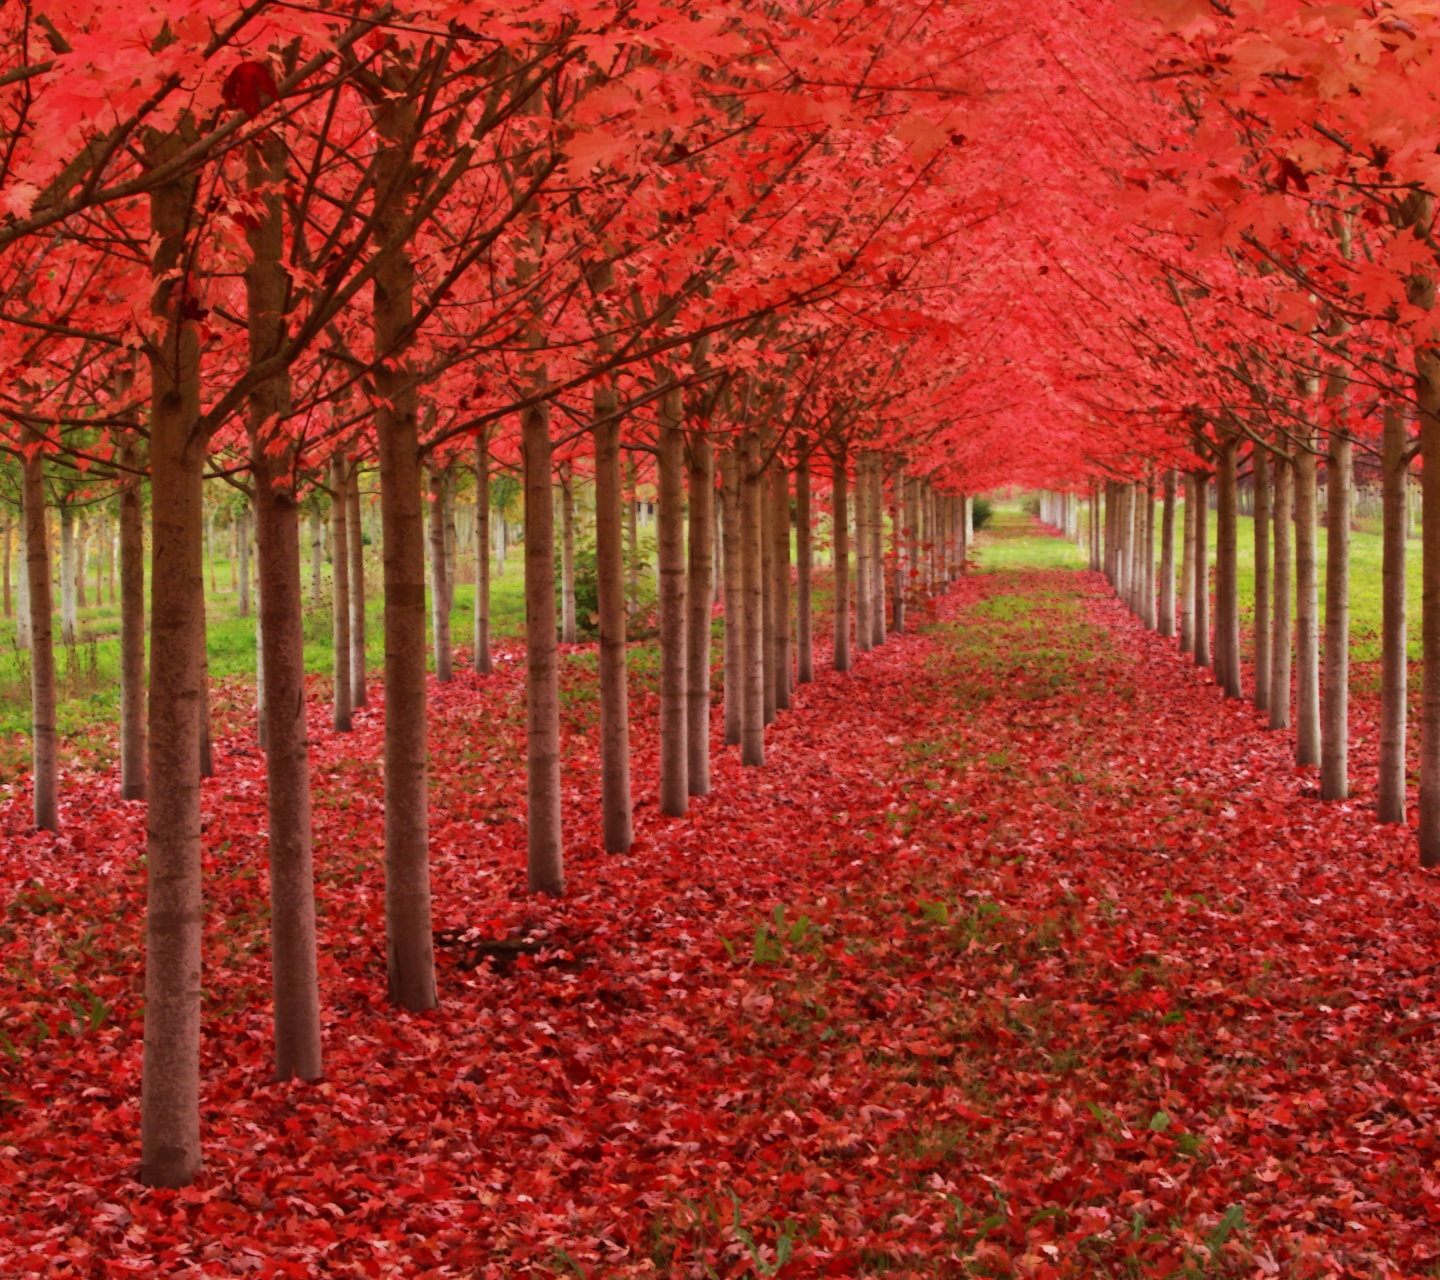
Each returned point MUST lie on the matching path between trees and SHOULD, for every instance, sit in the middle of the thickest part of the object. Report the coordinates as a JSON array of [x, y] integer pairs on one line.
[[1026, 954]]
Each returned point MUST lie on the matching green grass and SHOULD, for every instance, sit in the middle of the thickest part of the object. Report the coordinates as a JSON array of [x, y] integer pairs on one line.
[[88, 672], [1005, 550]]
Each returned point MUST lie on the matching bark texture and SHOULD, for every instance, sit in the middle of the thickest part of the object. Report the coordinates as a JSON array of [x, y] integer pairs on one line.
[[1390, 789]]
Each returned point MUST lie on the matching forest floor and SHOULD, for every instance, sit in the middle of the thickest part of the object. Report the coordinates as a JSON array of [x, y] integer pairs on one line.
[[1026, 954]]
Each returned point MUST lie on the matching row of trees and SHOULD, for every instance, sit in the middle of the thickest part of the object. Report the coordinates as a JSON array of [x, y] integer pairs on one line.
[[772, 257]]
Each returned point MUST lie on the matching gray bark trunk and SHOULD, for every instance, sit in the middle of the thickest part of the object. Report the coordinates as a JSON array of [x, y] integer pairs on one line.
[[1307, 611], [1260, 467], [1394, 674], [701, 589], [670, 553], [1335, 733]]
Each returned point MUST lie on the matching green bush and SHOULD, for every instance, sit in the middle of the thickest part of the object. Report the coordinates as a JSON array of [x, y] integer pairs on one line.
[[982, 509]]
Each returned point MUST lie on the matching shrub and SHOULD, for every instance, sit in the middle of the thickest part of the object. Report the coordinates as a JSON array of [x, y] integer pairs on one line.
[[981, 511]]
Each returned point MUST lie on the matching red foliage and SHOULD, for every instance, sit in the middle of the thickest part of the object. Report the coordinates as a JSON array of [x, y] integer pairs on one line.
[[1041, 959]]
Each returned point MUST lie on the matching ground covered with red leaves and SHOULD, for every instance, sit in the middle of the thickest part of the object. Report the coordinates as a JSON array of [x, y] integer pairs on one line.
[[1025, 955]]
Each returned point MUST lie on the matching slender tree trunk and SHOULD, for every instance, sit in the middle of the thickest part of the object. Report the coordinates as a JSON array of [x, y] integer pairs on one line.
[[804, 569], [359, 658], [1307, 610], [1148, 552], [1167, 556], [132, 628], [242, 537], [67, 575], [481, 641], [317, 552], [170, 1074], [1227, 565], [780, 566], [439, 588], [340, 611], [752, 731], [863, 592], [1335, 732], [5, 541], [914, 510], [897, 542], [701, 593], [1260, 467], [44, 762], [877, 549], [409, 942], [1283, 519], [632, 536], [294, 966], [451, 543], [1427, 395], [567, 555], [615, 799], [767, 588], [731, 464], [840, 503], [1187, 570], [1390, 792], [81, 564], [546, 853], [670, 551], [1202, 569]]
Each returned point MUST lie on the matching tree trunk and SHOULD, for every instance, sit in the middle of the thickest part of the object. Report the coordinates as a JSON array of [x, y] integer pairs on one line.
[[670, 553], [174, 914], [804, 569], [483, 661], [877, 550], [81, 565], [767, 588], [1335, 732], [1283, 520], [1187, 570], [132, 628], [1427, 395], [780, 567], [1202, 569], [5, 542], [632, 536], [731, 464], [1307, 610], [317, 552], [67, 575], [44, 762], [545, 845], [451, 542], [897, 543], [913, 566], [340, 605], [1260, 467], [282, 626], [439, 587], [1167, 556], [410, 952], [615, 799], [359, 657], [1147, 551], [567, 555], [700, 597], [752, 727], [1227, 571], [1390, 791], [863, 593], [840, 503], [242, 557]]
